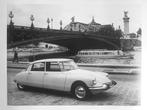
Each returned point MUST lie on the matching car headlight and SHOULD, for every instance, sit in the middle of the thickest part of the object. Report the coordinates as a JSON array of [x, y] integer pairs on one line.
[[93, 82], [105, 86], [107, 75]]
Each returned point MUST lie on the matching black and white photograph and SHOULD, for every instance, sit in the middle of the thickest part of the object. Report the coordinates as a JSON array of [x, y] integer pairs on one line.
[[73, 53]]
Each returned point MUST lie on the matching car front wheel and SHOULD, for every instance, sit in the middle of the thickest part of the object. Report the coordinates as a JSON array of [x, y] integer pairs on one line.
[[81, 92], [20, 87]]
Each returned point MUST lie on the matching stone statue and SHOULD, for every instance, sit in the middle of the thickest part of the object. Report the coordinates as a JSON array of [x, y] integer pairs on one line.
[[73, 19], [125, 13]]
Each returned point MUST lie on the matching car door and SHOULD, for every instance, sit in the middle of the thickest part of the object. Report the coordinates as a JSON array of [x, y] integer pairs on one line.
[[54, 77], [36, 73]]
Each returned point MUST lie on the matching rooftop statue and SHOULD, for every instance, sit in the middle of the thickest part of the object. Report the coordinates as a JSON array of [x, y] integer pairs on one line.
[[73, 19], [125, 13]]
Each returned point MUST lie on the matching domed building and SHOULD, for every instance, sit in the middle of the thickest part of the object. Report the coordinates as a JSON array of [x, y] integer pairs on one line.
[[82, 27]]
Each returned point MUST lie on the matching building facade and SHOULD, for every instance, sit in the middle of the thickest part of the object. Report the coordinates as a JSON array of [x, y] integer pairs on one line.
[[82, 27]]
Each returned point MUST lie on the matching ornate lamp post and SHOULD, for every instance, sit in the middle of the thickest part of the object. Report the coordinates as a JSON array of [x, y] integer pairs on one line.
[[32, 19], [11, 15], [52, 23], [60, 24], [48, 21], [11, 27], [32, 26]]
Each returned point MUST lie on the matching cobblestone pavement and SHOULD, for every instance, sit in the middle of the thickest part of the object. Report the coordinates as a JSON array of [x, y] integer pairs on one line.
[[126, 92]]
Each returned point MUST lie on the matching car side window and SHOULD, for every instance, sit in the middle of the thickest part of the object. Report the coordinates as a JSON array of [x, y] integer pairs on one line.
[[67, 66], [52, 66], [38, 66]]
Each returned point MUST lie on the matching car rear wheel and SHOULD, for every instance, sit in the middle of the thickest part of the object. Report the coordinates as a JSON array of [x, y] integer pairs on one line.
[[20, 87], [80, 91]]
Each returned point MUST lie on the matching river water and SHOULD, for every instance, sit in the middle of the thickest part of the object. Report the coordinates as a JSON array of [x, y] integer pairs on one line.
[[136, 60]]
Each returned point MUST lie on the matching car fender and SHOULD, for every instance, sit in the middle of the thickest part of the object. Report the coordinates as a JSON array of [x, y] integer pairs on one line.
[[70, 79], [21, 78]]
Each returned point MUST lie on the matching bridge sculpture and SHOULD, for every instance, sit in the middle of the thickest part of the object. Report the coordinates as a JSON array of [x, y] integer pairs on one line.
[[74, 41]]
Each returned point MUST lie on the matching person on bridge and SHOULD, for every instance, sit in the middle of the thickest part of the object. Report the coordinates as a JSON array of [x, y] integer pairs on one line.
[[15, 59]]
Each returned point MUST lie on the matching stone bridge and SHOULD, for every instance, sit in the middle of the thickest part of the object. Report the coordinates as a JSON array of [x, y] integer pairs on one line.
[[74, 41]]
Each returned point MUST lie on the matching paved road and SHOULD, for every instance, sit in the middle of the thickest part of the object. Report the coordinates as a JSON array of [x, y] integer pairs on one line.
[[126, 92]]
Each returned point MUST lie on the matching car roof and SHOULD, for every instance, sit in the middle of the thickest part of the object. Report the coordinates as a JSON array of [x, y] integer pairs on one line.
[[52, 60]]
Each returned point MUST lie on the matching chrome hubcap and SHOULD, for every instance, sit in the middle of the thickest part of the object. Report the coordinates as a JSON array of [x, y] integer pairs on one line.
[[20, 86], [80, 92]]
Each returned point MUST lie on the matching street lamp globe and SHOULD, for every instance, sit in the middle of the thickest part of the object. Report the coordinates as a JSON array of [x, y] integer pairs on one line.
[[48, 20], [32, 19], [11, 15]]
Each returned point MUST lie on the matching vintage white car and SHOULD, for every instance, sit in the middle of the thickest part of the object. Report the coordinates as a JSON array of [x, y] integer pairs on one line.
[[63, 75]]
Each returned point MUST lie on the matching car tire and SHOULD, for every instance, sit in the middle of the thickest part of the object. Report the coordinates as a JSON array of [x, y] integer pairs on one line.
[[20, 87], [80, 91]]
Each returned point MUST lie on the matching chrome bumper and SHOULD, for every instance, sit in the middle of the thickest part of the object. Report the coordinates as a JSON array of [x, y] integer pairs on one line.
[[105, 86]]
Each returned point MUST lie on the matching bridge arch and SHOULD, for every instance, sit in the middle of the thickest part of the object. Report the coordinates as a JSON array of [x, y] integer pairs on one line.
[[19, 35], [74, 41]]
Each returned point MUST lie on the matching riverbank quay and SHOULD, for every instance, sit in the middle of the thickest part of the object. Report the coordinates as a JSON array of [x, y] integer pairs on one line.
[[109, 68]]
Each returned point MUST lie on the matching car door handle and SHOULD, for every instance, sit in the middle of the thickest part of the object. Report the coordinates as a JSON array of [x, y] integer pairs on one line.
[[29, 73], [45, 73]]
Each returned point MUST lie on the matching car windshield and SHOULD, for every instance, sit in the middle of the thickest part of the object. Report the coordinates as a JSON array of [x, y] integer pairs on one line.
[[27, 67], [69, 65]]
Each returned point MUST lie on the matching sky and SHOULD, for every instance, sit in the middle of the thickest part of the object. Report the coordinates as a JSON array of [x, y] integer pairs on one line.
[[104, 12]]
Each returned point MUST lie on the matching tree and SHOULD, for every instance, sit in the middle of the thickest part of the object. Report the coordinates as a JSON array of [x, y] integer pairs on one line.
[[118, 33]]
